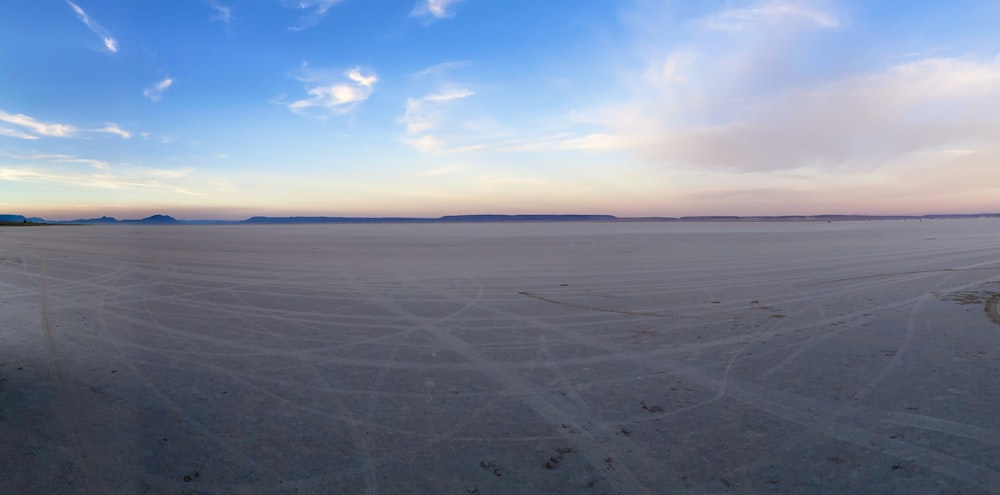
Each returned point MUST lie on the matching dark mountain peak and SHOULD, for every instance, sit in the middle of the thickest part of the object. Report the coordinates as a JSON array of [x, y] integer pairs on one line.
[[159, 219]]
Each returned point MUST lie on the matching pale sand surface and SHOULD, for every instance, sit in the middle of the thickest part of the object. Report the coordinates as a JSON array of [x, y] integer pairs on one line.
[[855, 357]]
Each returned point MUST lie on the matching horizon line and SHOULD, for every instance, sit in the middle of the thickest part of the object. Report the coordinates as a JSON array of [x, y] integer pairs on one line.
[[166, 218]]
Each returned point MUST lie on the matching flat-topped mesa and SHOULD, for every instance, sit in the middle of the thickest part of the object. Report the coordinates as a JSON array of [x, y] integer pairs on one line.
[[104, 219], [527, 218], [261, 219]]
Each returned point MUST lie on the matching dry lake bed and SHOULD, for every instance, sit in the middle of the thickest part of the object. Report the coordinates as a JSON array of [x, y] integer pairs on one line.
[[578, 358]]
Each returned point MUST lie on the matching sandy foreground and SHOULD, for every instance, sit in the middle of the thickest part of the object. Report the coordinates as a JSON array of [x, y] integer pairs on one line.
[[854, 357]]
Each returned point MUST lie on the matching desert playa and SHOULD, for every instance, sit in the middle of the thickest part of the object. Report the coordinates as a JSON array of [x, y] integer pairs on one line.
[[621, 358]]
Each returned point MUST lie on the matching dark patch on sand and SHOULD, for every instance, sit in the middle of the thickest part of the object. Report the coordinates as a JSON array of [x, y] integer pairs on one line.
[[554, 461], [989, 299], [491, 467], [592, 308], [964, 297], [992, 312]]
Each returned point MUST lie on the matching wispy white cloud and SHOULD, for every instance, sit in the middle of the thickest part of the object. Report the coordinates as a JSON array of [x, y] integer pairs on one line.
[[223, 13], [50, 129], [316, 11], [768, 13], [572, 142], [61, 158], [112, 128], [438, 9], [33, 128], [109, 41], [423, 116], [857, 121], [137, 179], [155, 92], [333, 95], [14, 133], [424, 143], [320, 6], [674, 68], [445, 170], [161, 173], [449, 94], [46, 169], [441, 68]]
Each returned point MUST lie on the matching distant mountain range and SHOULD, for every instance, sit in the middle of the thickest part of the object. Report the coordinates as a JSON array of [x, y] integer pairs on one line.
[[155, 219], [169, 220], [19, 219]]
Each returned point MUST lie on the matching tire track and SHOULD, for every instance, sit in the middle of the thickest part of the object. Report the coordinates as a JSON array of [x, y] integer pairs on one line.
[[58, 370]]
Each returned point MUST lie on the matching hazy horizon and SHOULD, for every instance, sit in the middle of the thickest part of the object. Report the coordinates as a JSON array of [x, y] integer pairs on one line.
[[230, 218], [224, 109]]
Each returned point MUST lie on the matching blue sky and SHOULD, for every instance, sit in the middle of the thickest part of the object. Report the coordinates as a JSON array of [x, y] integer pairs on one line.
[[225, 109]]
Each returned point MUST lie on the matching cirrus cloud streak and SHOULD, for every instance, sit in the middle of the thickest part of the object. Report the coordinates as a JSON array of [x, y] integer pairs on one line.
[[110, 43], [34, 129]]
